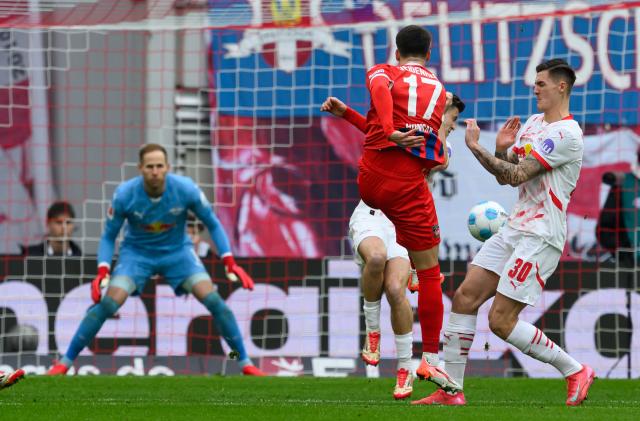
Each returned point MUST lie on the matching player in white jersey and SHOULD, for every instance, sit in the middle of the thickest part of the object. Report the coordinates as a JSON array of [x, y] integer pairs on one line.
[[515, 263], [385, 263]]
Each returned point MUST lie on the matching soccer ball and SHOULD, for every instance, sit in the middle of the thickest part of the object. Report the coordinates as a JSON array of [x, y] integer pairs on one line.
[[485, 219]]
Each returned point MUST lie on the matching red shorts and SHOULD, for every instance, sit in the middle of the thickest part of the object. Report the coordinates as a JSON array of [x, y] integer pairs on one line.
[[393, 181]]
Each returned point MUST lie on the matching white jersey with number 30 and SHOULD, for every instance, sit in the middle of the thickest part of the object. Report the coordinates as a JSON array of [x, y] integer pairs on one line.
[[541, 208]]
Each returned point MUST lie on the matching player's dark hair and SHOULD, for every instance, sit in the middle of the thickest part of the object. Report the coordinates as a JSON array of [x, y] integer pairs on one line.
[[457, 103], [151, 147], [60, 208], [559, 69], [413, 41]]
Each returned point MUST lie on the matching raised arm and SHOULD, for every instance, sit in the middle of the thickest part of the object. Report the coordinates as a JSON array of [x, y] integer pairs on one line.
[[339, 109], [505, 172]]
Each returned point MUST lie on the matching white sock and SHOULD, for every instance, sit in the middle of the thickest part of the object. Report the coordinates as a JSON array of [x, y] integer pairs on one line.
[[404, 350], [532, 341], [372, 315], [458, 337]]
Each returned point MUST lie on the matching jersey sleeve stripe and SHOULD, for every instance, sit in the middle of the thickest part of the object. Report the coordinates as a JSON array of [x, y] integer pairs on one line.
[[555, 199], [540, 159]]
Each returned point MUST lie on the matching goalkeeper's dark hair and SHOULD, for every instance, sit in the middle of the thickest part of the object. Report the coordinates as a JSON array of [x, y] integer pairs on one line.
[[457, 103], [151, 147], [60, 208], [413, 41], [559, 69]]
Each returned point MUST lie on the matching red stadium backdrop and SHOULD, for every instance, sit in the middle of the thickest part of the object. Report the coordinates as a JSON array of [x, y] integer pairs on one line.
[[233, 89]]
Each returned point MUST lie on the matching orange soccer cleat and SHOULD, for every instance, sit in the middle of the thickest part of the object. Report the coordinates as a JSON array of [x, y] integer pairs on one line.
[[252, 370], [57, 369], [9, 379], [437, 375], [371, 349], [404, 384]]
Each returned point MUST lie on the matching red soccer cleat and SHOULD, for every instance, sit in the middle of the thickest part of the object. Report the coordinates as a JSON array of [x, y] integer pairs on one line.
[[9, 379], [371, 349], [252, 370], [440, 397], [57, 369], [578, 385]]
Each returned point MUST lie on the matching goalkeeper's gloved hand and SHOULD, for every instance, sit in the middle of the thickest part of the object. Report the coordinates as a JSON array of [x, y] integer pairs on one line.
[[235, 273], [100, 281]]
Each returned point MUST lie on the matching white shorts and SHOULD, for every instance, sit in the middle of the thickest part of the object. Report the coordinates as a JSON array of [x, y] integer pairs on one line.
[[523, 261], [369, 222]]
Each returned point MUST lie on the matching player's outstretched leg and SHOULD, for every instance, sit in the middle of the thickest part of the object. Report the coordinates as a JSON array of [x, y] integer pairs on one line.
[[532, 341], [8, 379], [226, 324], [89, 327]]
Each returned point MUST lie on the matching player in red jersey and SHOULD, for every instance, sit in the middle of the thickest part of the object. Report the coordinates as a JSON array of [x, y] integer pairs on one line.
[[401, 145], [384, 263]]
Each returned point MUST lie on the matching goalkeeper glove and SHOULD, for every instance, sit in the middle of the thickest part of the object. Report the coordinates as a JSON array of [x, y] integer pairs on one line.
[[100, 281], [235, 273]]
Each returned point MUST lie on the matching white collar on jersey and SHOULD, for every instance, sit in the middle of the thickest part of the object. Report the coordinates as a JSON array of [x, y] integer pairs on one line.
[[413, 63]]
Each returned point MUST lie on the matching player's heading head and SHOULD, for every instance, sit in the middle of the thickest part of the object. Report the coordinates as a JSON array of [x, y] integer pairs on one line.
[[554, 80], [451, 113], [413, 42], [153, 166]]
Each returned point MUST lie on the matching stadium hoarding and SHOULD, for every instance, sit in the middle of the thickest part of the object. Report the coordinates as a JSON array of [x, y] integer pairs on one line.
[[303, 317]]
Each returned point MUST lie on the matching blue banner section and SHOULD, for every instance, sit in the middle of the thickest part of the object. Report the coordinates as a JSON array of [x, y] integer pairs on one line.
[[289, 68]]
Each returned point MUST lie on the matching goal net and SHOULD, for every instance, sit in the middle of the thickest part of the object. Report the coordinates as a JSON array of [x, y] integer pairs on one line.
[[233, 90]]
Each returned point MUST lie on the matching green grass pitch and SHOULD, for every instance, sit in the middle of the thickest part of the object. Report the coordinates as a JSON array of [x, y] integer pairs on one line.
[[221, 398]]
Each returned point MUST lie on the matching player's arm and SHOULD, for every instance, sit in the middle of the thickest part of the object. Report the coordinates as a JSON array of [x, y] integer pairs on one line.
[[202, 208], [339, 109], [115, 219], [505, 172]]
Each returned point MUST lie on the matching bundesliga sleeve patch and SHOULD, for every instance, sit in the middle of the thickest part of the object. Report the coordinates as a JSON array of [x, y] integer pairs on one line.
[[547, 146]]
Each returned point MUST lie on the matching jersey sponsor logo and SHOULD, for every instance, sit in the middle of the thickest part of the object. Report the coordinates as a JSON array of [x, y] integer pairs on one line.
[[157, 227], [548, 146]]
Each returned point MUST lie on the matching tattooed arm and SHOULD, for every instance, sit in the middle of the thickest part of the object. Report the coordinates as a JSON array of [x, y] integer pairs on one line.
[[504, 171], [507, 156], [507, 172]]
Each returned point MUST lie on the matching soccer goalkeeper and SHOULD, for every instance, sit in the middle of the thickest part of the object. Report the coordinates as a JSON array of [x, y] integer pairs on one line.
[[155, 206]]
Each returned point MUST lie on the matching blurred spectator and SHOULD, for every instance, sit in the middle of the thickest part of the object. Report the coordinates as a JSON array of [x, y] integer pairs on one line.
[[619, 218], [57, 241], [194, 228]]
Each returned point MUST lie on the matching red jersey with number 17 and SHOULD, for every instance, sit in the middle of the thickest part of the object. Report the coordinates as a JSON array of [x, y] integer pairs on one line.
[[418, 102]]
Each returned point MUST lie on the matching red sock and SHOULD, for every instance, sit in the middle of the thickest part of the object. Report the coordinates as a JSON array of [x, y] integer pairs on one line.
[[430, 308]]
